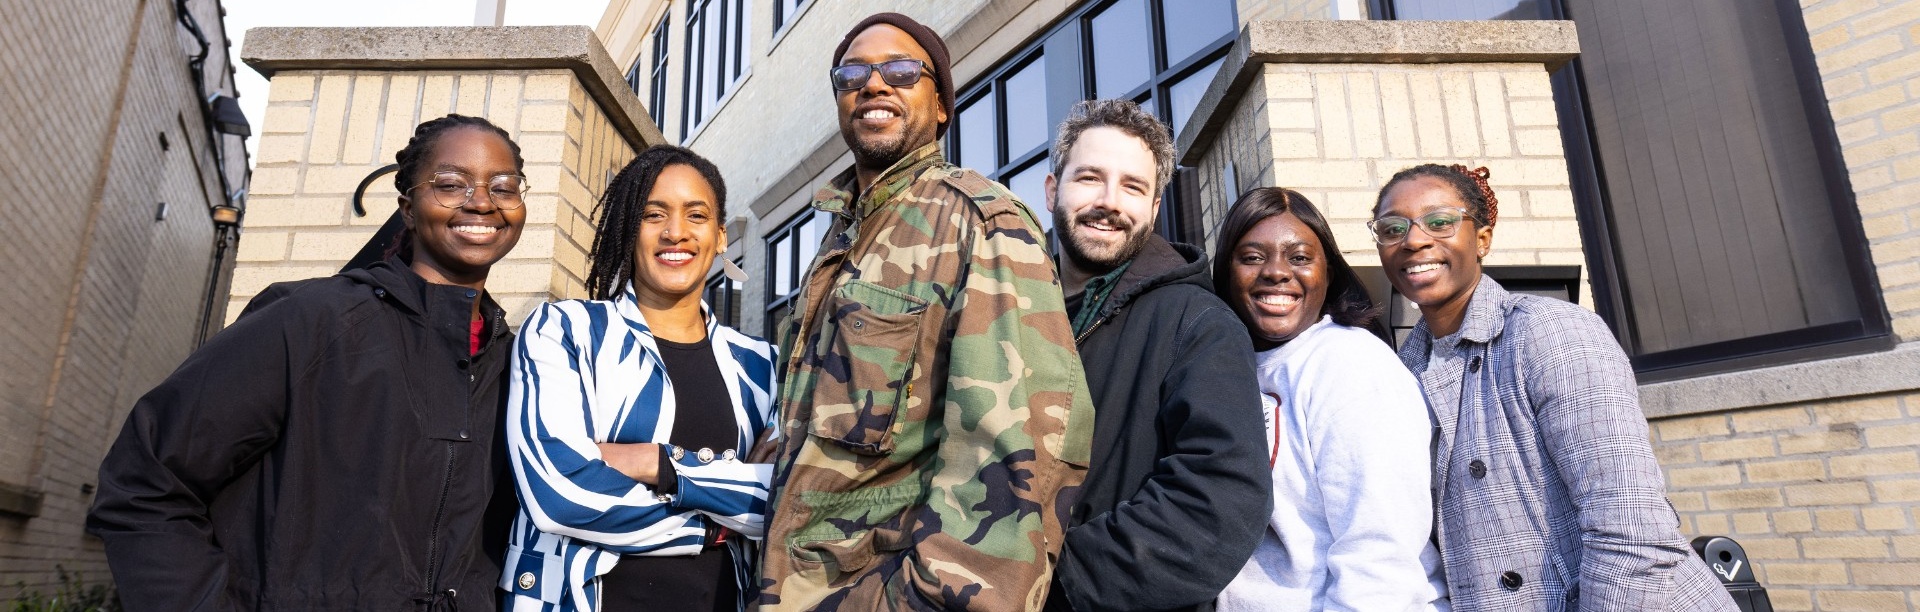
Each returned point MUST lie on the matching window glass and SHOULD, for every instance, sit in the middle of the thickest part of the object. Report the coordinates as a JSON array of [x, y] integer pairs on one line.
[[1026, 99], [976, 135], [1466, 9], [782, 264], [1030, 185], [1192, 24], [1120, 48], [1185, 95], [810, 233]]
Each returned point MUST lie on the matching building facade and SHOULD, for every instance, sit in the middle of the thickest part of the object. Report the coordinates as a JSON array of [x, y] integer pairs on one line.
[[1733, 187], [123, 144]]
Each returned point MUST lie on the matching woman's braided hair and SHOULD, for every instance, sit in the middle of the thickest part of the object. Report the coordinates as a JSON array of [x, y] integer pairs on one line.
[[420, 147], [1471, 184], [617, 231]]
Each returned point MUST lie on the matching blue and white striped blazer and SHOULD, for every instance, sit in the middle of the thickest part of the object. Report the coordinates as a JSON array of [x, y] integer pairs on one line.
[[585, 372]]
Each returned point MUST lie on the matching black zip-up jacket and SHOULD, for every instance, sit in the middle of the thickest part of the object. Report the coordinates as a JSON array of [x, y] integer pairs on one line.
[[1180, 487], [337, 448]]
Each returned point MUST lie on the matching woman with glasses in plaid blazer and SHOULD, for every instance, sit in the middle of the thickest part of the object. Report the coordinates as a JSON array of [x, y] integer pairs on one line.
[[1548, 493]]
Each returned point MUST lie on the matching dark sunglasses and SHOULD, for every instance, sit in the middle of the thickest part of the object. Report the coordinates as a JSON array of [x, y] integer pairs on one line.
[[898, 73]]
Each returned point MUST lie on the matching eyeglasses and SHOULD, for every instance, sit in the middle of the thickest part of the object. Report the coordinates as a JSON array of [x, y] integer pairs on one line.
[[1393, 229], [898, 73], [455, 190]]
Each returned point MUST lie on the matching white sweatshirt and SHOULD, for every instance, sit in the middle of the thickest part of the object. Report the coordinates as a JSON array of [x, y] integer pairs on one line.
[[1352, 504]]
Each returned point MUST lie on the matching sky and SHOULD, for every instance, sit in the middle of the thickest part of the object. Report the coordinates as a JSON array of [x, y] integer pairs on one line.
[[244, 14]]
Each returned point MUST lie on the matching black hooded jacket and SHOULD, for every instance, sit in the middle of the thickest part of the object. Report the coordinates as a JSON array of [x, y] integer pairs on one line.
[[1180, 488], [336, 448]]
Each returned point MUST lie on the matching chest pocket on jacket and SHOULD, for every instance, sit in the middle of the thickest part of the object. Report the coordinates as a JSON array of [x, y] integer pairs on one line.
[[875, 339]]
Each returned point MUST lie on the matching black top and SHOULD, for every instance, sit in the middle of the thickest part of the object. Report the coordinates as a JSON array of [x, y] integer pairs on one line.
[[703, 419], [339, 446]]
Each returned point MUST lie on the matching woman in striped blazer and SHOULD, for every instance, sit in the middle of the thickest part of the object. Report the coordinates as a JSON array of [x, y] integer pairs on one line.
[[1549, 497], [631, 415]]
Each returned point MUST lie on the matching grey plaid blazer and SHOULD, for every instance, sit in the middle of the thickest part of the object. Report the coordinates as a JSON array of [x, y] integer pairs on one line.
[[1548, 492]]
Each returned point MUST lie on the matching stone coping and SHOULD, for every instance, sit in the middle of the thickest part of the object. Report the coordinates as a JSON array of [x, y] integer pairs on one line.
[[575, 48], [1552, 43], [1890, 371]]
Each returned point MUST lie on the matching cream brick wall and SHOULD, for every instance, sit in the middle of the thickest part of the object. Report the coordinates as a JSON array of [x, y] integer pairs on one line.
[[1337, 132], [326, 130], [1825, 497], [1868, 54]]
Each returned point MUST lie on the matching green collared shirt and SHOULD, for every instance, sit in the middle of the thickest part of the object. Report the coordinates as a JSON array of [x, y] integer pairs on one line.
[[1094, 296]]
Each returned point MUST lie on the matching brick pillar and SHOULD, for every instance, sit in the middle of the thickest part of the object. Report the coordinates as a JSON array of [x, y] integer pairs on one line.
[[345, 100], [1333, 108]]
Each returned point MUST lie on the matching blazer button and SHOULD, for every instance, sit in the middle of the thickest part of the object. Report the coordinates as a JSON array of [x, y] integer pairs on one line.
[[1511, 581], [1473, 365], [1477, 469], [526, 580]]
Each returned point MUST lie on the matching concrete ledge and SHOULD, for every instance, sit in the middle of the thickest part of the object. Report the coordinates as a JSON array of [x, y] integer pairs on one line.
[[271, 50], [19, 501], [1890, 371], [1551, 43]]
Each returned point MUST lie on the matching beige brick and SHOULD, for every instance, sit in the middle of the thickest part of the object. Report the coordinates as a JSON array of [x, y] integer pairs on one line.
[[403, 99], [1791, 600], [1296, 145], [1287, 85], [363, 119], [1495, 135], [274, 181], [1906, 546], [1869, 547], [1887, 574], [1885, 225], [535, 243], [1845, 85], [329, 119], [249, 280], [1856, 105], [1829, 494], [1456, 92], [470, 94], [503, 100], [1369, 140], [1751, 522], [1836, 520], [1883, 518], [1894, 14], [1336, 123], [1429, 118], [1534, 113], [1740, 499], [1830, 38], [1771, 548], [262, 246], [1856, 411], [1744, 448], [1859, 601], [1687, 501], [290, 88], [295, 212], [544, 117], [328, 246], [1711, 523], [1528, 84], [1859, 52], [510, 277], [436, 97], [1819, 442], [1403, 141], [1711, 476], [1805, 573], [549, 86], [1904, 490], [1835, 11], [1322, 174], [280, 148], [1903, 434], [1674, 454], [1772, 419], [286, 119], [1879, 464], [1539, 141], [334, 180], [1793, 521], [1900, 118], [1782, 471]]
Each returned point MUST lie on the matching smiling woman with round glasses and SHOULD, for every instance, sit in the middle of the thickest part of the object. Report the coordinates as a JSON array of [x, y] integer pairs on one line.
[[1548, 493]]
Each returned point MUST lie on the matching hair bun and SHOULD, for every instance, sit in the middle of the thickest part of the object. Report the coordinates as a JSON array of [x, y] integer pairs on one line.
[[1480, 176]]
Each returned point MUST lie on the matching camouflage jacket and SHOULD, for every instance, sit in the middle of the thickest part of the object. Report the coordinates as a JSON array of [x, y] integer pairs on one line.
[[933, 407]]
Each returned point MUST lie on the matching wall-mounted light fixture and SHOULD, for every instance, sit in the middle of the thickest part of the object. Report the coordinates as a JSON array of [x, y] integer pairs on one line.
[[226, 217], [227, 116]]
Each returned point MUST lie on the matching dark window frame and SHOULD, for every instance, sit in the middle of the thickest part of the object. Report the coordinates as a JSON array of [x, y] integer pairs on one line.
[[657, 94], [725, 301], [1871, 332], [728, 65], [780, 16], [1165, 72], [785, 237]]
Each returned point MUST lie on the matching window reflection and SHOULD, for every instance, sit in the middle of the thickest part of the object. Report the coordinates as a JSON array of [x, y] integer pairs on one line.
[[1026, 98], [1185, 95], [1192, 24], [976, 135], [1120, 46], [1030, 185]]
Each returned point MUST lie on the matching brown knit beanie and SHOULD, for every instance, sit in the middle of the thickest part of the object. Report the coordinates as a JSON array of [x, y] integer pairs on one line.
[[936, 50]]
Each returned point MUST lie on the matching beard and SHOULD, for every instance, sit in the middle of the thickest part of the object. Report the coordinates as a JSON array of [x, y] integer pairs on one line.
[[1099, 255]]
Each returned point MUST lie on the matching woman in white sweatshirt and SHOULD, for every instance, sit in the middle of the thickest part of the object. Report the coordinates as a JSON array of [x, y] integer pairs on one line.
[[1348, 426]]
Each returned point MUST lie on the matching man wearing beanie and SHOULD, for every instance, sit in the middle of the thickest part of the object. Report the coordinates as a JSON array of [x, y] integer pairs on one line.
[[933, 405]]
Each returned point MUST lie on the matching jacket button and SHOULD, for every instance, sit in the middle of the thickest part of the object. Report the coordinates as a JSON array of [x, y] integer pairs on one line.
[[462, 364], [471, 293], [463, 435], [378, 292], [1477, 469], [526, 580], [1473, 365], [1511, 581]]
